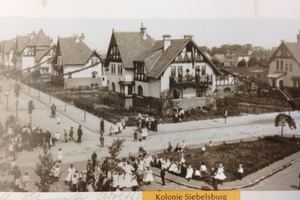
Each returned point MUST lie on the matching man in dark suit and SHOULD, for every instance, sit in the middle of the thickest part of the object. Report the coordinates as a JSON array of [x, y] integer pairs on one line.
[[101, 125], [79, 134], [162, 175]]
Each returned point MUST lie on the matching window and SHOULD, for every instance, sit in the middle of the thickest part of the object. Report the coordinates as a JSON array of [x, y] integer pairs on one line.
[[92, 61], [177, 94], [291, 65], [200, 92], [129, 89], [203, 70], [113, 68], [69, 75], [179, 71], [277, 64], [173, 71], [140, 90], [113, 87], [120, 69], [281, 64], [286, 66]]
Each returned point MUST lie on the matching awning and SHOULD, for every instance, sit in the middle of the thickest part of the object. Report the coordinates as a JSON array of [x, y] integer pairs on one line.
[[276, 74]]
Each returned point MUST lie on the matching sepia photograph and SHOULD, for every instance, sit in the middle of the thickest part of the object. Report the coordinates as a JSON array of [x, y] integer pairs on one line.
[[142, 96]]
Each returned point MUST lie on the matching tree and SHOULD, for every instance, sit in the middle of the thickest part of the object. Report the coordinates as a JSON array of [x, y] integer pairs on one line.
[[17, 89], [114, 150], [242, 63], [35, 75], [43, 170], [30, 109], [282, 120]]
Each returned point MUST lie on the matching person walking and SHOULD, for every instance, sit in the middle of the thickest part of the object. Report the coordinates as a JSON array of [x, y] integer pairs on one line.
[[53, 138], [101, 141], [47, 138], [65, 135], [59, 155], [135, 136], [70, 171], [79, 134], [57, 135], [94, 160], [101, 125], [58, 119], [71, 132], [162, 176]]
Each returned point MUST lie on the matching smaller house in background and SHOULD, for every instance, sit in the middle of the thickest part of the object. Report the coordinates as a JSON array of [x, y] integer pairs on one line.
[[7, 53], [230, 60], [76, 65]]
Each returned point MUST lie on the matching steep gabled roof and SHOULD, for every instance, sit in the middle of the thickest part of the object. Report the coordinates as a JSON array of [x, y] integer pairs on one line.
[[293, 47], [40, 55], [169, 55], [8, 45], [21, 43], [130, 45], [72, 52], [40, 40]]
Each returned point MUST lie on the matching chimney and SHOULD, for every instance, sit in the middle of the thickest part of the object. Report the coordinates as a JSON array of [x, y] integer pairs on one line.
[[188, 36], [143, 32], [167, 41], [298, 38]]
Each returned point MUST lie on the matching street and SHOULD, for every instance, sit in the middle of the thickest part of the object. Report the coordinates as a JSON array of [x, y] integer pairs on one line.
[[194, 133]]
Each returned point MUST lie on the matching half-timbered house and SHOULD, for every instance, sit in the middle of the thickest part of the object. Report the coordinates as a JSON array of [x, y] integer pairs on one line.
[[142, 70]]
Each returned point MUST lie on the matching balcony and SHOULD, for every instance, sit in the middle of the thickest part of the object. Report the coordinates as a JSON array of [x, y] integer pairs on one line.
[[191, 81]]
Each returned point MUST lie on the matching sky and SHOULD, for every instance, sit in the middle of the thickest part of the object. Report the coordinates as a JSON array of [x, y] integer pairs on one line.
[[212, 23]]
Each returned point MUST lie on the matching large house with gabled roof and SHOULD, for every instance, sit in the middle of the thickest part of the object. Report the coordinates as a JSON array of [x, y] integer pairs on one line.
[[143, 70], [284, 65], [44, 60], [27, 47], [76, 65]]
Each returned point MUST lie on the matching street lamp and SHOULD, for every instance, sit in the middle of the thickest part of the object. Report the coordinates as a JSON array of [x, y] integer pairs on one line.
[[17, 103], [7, 94]]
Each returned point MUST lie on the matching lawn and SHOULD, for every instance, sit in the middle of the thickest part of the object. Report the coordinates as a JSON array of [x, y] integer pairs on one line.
[[253, 155]]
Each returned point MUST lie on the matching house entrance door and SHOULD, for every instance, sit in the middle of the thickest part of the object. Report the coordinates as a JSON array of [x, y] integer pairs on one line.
[[281, 84]]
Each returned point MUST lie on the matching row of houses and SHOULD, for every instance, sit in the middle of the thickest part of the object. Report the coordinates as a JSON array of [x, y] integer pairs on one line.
[[137, 69]]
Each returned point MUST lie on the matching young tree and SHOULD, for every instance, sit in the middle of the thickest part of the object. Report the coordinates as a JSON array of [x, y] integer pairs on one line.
[[30, 110], [282, 120], [114, 150], [43, 170]]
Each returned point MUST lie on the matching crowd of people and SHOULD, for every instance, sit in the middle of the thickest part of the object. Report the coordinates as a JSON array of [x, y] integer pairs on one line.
[[126, 174], [180, 167]]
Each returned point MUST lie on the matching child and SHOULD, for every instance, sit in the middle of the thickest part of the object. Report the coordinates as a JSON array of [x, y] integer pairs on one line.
[[66, 135], [59, 155]]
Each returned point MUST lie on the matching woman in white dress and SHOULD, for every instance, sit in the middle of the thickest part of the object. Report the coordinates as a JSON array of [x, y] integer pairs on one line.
[[148, 177], [144, 133], [70, 171], [59, 155], [128, 175], [189, 173], [220, 173]]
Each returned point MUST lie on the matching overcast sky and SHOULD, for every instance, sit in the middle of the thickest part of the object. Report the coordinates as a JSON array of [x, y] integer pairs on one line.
[[211, 22]]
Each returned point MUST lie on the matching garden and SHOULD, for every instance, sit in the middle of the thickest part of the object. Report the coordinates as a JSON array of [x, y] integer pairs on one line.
[[253, 155]]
